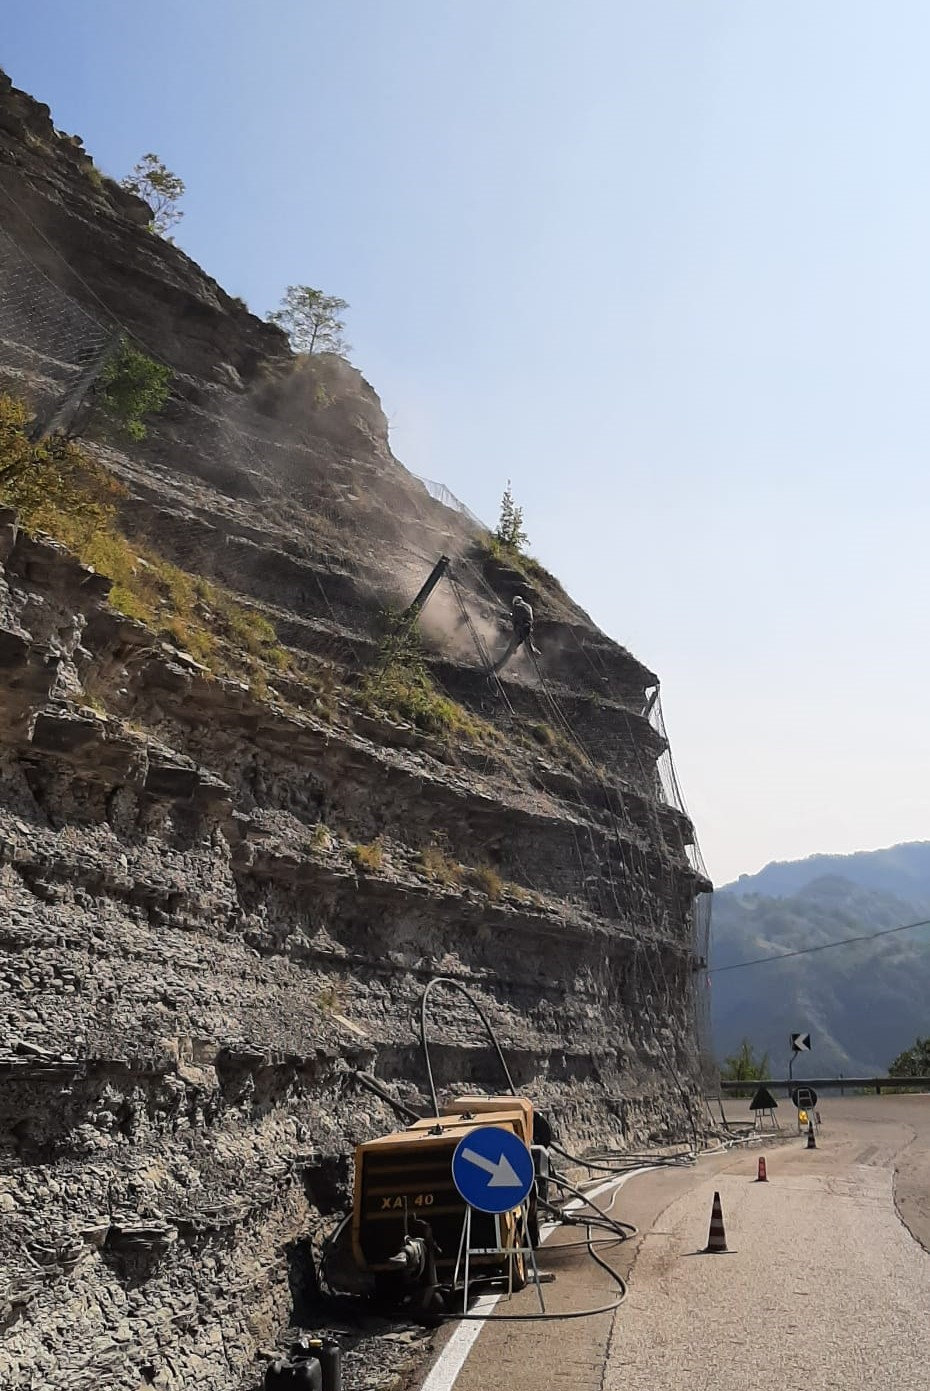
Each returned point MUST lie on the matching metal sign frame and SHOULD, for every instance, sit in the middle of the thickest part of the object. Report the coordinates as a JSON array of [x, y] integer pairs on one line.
[[508, 1250]]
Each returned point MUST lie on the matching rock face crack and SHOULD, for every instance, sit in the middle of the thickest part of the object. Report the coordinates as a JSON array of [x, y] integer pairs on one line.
[[218, 904]]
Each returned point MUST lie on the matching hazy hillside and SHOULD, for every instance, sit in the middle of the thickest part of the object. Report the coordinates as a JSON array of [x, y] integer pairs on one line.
[[903, 870], [864, 1003]]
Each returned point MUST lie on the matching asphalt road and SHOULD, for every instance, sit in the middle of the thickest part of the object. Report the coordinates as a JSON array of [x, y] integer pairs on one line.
[[825, 1286]]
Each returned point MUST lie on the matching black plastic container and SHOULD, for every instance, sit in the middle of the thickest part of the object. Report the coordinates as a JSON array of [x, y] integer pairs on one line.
[[325, 1351], [330, 1359], [306, 1375]]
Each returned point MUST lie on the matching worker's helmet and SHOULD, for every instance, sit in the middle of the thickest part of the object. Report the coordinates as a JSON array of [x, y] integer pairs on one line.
[[518, 602]]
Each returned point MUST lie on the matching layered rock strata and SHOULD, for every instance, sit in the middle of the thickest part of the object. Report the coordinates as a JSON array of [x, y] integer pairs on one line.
[[196, 961]]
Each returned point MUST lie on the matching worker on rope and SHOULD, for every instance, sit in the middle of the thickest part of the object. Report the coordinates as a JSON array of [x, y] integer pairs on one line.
[[521, 618]]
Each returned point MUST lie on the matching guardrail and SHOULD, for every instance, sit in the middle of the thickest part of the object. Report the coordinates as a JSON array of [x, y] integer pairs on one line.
[[855, 1084]]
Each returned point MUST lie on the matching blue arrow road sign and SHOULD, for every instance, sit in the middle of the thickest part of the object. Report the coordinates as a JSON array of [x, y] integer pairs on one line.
[[492, 1169]]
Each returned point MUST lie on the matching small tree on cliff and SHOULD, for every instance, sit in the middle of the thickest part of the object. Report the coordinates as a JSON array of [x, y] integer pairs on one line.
[[152, 180], [312, 320], [510, 531]]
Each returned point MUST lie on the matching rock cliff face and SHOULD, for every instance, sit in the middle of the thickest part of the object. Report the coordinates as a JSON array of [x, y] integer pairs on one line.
[[219, 902]]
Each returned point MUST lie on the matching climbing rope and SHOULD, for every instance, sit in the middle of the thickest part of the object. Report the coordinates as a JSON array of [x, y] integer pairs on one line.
[[480, 646]]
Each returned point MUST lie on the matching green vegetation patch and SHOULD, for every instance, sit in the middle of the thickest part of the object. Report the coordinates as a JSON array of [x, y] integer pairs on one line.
[[401, 686], [59, 490], [914, 1061], [130, 387], [744, 1066]]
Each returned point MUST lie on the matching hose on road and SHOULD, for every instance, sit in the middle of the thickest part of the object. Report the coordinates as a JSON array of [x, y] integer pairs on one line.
[[550, 1317]]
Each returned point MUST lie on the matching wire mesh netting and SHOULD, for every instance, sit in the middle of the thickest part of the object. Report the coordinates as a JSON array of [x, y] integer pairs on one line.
[[668, 778], [442, 494], [281, 476], [41, 328], [702, 911]]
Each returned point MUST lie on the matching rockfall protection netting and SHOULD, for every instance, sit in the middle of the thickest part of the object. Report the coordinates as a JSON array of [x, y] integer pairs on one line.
[[45, 337], [48, 345], [703, 904], [445, 495]]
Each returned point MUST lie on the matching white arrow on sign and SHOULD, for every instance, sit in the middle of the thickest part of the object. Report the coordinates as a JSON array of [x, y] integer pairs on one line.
[[801, 1043], [501, 1171]]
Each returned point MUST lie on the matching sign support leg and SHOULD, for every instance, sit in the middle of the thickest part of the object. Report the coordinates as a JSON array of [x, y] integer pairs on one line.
[[532, 1255], [467, 1252], [458, 1259], [464, 1250]]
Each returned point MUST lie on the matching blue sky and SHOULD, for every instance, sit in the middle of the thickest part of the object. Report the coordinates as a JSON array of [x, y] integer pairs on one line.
[[666, 266]]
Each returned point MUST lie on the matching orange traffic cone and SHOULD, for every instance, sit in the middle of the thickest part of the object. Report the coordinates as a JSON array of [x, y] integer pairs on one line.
[[716, 1237], [811, 1139], [761, 1177]]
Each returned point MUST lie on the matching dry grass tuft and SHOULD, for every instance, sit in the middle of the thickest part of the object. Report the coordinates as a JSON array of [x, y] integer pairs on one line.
[[58, 489]]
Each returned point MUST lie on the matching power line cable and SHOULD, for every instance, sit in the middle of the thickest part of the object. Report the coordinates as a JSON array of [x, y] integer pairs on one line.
[[824, 946]]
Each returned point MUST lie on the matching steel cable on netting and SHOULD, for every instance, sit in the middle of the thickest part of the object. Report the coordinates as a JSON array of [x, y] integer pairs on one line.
[[660, 982], [661, 988], [567, 732], [41, 320], [563, 722], [283, 466], [109, 315], [279, 472], [480, 646], [673, 796]]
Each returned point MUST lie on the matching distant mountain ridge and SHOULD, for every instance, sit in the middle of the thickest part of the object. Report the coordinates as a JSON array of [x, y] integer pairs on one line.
[[899, 869], [863, 1003]]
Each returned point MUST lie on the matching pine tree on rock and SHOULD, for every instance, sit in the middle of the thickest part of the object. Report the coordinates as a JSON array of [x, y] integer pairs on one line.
[[312, 320], [510, 531]]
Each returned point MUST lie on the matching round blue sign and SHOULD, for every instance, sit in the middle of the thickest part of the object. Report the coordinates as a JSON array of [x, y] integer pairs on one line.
[[492, 1169]]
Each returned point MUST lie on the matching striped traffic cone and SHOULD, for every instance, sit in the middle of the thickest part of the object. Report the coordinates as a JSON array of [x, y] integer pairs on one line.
[[811, 1138], [761, 1177], [716, 1237]]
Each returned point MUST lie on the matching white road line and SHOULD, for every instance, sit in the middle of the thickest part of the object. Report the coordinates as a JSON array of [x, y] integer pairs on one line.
[[453, 1356], [451, 1360]]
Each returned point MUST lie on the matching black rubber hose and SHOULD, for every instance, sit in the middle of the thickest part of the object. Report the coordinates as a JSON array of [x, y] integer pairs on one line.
[[624, 1164], [424, 1045], [375, 1086], [624, 1230], [553, 1317]]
